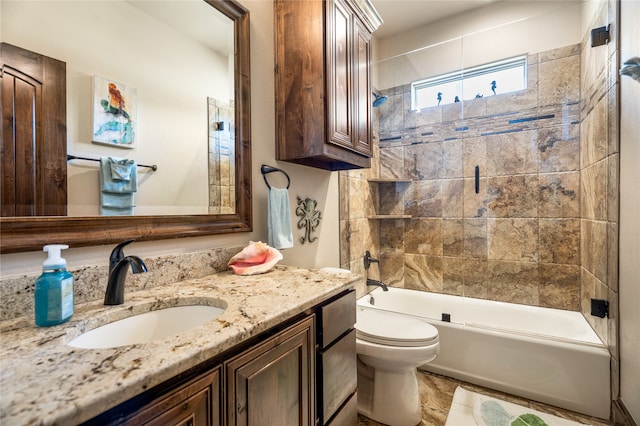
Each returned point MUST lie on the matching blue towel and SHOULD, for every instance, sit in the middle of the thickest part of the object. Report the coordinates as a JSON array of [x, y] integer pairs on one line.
[[116, 175], [118, 182], [279, 219]]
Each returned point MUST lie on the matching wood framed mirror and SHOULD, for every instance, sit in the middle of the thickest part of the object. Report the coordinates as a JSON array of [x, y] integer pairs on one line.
[[31, 233]]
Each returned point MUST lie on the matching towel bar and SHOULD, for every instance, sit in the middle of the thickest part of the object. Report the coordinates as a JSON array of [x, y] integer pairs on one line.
[[270, 169], [75, 157]]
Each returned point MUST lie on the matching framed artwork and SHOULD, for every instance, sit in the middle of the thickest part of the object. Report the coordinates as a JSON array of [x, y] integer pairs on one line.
[[114, 113]]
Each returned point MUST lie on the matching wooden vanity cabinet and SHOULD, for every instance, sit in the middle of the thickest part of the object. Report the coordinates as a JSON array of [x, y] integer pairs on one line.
[[323, 82], [273, 383], [336, 362], [301, 372]]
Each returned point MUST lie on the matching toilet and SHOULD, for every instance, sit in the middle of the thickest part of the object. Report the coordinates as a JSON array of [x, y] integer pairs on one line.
[[390, 348]]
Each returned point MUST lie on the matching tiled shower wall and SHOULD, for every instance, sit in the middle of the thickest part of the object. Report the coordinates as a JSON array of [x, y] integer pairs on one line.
[[518, 238], [543, 229]]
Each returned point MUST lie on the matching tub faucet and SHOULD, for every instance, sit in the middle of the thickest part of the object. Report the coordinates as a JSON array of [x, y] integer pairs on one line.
[[368, 260], [378, 283], [118, 265]]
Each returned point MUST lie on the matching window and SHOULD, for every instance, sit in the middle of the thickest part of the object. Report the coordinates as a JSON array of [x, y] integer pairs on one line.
[[499, 77]]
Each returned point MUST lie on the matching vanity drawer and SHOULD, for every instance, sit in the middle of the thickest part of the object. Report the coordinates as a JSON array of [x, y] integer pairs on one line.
[[339, 374], [336, 318], [348, 414]]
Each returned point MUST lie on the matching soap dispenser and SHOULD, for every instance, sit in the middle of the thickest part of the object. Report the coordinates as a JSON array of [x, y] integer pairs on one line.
[[54, 289]]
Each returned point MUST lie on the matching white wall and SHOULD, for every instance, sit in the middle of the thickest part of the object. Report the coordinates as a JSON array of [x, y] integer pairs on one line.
[[497, 31], [629, 291], [305, 181]]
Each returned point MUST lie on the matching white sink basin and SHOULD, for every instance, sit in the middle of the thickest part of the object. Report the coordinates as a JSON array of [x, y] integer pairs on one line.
[[146, 327]]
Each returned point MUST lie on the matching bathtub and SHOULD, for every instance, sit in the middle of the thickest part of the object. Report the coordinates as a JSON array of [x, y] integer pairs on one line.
[[547, 355]]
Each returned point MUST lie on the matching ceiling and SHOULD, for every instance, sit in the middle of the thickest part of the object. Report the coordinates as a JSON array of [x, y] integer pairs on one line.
[[401, 15]]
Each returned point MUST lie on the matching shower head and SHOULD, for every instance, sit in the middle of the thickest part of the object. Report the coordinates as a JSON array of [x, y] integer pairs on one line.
[[379, 100]]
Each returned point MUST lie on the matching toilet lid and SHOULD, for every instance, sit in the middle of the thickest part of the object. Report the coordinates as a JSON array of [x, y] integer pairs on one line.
[[388, 328]]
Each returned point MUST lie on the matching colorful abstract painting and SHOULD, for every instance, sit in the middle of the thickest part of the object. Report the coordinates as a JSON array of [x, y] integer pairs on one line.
[[114, 113]]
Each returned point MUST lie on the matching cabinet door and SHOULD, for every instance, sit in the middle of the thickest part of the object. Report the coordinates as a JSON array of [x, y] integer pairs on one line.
[[362, 88], [339, 70], [273, 383], [194, 404]]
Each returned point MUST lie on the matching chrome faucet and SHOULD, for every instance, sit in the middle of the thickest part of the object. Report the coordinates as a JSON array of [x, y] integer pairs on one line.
[[378, 283], [118, 265]]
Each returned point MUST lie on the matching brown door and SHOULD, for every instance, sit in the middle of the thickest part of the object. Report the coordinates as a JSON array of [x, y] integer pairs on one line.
[[34, 134]]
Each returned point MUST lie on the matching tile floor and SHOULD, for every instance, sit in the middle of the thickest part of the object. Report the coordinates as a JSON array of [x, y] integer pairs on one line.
[[437, 393]]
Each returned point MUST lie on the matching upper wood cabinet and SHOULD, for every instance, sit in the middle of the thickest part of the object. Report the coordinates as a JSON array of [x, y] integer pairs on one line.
[[323, 82]]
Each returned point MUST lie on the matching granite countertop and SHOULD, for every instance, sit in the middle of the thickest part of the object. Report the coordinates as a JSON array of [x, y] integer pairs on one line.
[[44, 381]]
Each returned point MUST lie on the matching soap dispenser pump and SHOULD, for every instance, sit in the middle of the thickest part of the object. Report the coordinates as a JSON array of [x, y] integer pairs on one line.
[[54, 289]]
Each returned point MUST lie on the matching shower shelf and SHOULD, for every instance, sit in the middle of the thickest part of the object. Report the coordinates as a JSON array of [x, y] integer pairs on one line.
[[381, 180], [389, 216]]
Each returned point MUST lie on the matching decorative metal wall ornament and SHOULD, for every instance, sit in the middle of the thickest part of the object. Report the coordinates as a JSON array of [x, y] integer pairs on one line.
[[309, 218]]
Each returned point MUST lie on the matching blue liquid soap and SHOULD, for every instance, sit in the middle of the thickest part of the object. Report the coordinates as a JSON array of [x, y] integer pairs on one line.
[[54, 289]]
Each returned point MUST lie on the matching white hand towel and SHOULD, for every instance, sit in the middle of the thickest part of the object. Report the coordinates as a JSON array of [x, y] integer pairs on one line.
[[279, 219]]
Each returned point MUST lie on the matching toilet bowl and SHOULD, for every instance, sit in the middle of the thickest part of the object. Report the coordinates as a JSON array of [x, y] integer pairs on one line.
[[390, 347]]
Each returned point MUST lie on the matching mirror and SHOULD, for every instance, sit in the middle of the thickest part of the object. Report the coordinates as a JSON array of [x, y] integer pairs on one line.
[[21, 233]]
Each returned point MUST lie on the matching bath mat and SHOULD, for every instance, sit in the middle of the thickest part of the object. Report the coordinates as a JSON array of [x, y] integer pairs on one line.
[[469, 409]]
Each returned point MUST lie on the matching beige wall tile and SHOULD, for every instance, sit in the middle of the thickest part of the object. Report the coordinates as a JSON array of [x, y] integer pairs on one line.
[[453, 275], [512, 153], [593, 248], [452, 198], [392, 235], [423, 236], [424, 161], [452, 237], [512, 239], [514, 282], [560, 286], [559, 148], [423, 272], [391, 269], [424, 199], [593, 191], [559, 81], [594, 131], [513, 196], [392, 163], [452, 159], [560, 241], [475, 278], [474, 154], [475, 238], [361, 201], [559, 195], [475, 205]]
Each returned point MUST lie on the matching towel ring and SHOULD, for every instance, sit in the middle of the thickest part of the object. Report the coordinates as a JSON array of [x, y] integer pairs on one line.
[[270, 169]]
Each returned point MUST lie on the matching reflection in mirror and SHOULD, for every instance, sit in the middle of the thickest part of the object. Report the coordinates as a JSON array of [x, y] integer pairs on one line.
[[185, 102], [221, 157], [188, 58]]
